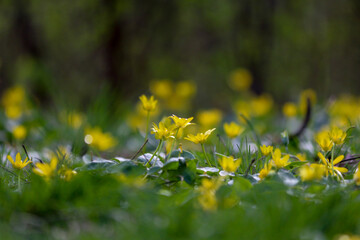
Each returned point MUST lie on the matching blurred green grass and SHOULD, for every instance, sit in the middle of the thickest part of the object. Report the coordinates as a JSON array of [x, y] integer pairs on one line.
[[94, 206]]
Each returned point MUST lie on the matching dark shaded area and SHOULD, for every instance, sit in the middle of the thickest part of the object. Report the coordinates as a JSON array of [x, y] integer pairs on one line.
[[72, 50]]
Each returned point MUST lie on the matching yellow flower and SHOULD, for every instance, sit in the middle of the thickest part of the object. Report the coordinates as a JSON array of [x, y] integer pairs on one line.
[[161, 88], [162, 132], [13, 96], [337, 135], [208, 201], [301, 157], [210, 185], [357, 175], [209, 118], [181, 122], [340, 121], [207, 198], [99, 140], [138, 118], [141, 112], [171, 141], [279, 161], [46, 170], [176, 103], [233, 130], [200, 137], [347, 237], [330, 167], [324, 141], [289, 109], [261, 105], [19, 132], [312, 172], [69, 174], [185, 89], [229, 164], [148, 104], [240, 80], [345, 110], [18, 163], [72, 119], [255, 107], [66, 173], [14, 101], [132, 181], [136, 121], [61, 152], [266, 150], [13, 111], [244, 108], [265, 171], [174, 96], [307, 94]]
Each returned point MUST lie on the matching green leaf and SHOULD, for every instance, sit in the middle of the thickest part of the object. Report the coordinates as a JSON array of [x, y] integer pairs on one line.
[[147, 156], [183, 197], [191, 164], [153, 170], [242, 184], [129, 168], [315, 188], [96, 165], [251, 178], [172, 164], [287, 177], [208, 170], [296, 164], [189, 176], [120, 159], [184, 154]]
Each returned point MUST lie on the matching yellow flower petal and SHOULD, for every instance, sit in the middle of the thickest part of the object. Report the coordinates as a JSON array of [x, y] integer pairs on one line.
[[11, 160], [341, 169], [338, 159], [322, 158]]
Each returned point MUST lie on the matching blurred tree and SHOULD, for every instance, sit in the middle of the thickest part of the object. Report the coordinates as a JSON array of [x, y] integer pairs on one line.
[[71, 50]]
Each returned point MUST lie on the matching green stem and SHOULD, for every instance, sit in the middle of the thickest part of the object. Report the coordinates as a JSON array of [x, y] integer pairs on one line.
[[332, 159], [229, 145], [161, 146], [257, 138], [7, 170], [147, 128], [206, 157], [19, 180], [339, 175], [335, 172], [147, 125], [252, 163], [172, 145], [157, 149]]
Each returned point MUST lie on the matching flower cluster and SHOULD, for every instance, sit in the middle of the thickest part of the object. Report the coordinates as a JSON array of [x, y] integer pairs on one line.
[[173, 96], [178, 147], [327, 139]]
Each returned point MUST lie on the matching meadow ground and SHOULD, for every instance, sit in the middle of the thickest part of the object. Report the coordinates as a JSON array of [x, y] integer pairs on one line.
[[162, 170]]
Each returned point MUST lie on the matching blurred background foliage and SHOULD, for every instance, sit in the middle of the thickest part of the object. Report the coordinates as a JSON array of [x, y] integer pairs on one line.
[[70, 51]]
